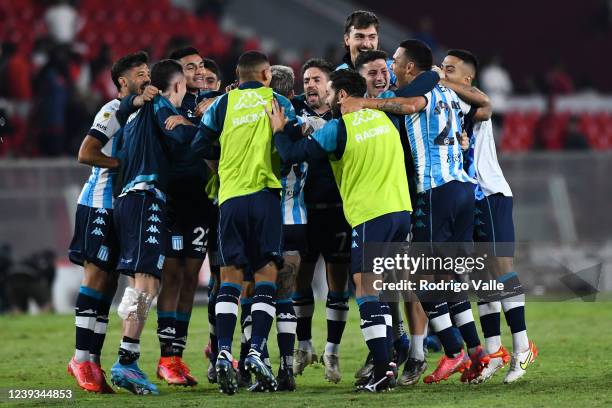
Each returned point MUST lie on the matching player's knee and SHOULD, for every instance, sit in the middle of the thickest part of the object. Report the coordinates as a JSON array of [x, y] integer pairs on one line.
[[94, 277], [135, 304]]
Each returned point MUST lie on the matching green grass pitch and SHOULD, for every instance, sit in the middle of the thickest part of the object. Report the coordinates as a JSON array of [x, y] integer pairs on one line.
[[574, 367]]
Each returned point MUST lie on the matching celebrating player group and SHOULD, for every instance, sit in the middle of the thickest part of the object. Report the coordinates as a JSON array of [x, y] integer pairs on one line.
[[378, 149]]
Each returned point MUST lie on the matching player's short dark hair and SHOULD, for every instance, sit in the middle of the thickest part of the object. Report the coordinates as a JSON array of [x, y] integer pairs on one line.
[[319, 63], [183, 52], [360, 19], [419, 53], [349, 80], [368, 56], [250, 60], [465, 56], [212, 66], [126, 63], [283, 79], [163, 72]]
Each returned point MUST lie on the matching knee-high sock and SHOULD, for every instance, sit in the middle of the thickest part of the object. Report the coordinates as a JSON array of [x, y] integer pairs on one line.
[[440, 321], [303, 304], [461, 313], [166, 330], [226, 312], [262, 312], [182, 329], [489, 321], [86, 313], [336, 310], [246, 326], [514, 311], [97, 341], [212, 320], [286, 323], [374, 328]]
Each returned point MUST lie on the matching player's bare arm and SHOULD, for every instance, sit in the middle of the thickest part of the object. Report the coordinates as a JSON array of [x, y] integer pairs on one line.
[[90, 153], [398, 106], [473, 96]]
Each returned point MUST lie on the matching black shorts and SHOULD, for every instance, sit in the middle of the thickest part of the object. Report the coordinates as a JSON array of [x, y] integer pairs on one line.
[[250, 233], [140, 222], [295, 237], [189, 217], [328, 234], [94, 238]]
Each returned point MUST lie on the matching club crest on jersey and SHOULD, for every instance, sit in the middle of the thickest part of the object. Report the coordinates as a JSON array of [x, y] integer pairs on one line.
[[364, 116], [249, 100], [103, 253], [177, 242]]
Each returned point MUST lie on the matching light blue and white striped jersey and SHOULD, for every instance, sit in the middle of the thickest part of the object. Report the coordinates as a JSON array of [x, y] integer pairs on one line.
[[98, 190], [434, 134], [293, 208]]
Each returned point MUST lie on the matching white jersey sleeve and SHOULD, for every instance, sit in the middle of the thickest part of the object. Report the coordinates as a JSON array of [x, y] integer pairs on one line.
[[105, 124]]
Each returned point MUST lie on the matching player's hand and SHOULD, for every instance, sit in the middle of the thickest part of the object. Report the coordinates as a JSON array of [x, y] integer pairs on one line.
[[203, 106], [278, 120], [147, 95], [350, 104], [465, 141], [439, 71], [176, 120]]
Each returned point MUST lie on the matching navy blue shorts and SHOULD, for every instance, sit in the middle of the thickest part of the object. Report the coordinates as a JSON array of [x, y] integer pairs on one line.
[[295, 237], [444, 214], [140, 222], [250, 234], [188, 218], [94, 238], [328, 234], [393, 227], [493, 224]]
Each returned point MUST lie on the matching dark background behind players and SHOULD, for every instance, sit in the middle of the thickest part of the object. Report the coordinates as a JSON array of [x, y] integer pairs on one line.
[[55, 55]]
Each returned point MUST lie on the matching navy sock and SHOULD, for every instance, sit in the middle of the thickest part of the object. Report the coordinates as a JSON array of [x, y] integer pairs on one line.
[[386, 311], [129, 350], [262, 312], [461, 313], [286, 323], [212, 320], [182, 329], [489, 318], [303, 304], [246, 327], [439, 319], [373, 328], [336, 310], [226, 312], [97, 340], [86, 313], [166, 330]]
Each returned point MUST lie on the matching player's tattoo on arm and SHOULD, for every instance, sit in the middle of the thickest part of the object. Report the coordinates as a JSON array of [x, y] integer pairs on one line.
[[285, 280], [392, 107]]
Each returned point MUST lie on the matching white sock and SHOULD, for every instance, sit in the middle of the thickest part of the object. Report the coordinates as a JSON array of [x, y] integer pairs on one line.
[[305, 344], [492, 344], [81, 355], [416, 350], [331, 348], [520, 342]]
